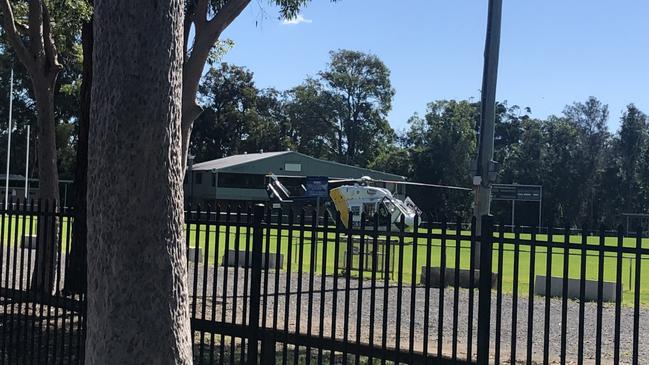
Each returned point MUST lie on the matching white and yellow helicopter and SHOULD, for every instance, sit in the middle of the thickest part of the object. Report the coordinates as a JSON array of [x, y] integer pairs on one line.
[[358, 198]]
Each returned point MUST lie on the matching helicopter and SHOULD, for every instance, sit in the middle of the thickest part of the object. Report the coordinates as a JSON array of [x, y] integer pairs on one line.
[[358, 198]]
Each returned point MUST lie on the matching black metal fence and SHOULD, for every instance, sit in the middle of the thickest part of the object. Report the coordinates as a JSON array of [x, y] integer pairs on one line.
[[39, 326], [290, 287]]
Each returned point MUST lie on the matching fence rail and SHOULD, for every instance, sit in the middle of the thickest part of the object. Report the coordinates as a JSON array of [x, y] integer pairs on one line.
[[290, 287]]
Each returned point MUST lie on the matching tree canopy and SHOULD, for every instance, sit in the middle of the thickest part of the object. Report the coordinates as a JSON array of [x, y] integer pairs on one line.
[[589, 174]]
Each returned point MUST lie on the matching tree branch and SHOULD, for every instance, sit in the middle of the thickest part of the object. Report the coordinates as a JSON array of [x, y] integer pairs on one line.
[[51, 53], [200, 15], [35, 19], [224, 17], [22, 28], [204, 39], [9, 25]]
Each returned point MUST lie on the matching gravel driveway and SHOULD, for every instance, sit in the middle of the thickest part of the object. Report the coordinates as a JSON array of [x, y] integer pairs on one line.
[[335, 325], [375, 323]]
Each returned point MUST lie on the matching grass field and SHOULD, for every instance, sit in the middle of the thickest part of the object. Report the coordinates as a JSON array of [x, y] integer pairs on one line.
[[236, 239], [414, 256], [12, 229]]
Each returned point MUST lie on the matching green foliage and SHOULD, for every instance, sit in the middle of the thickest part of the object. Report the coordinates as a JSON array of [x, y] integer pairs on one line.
[[356, 86], [588, 174], [221, 47], [393, 159], [311, 120], [341, 115], [66, 18], [238, 117], [442, 146], [66, 140], [568, 185], [288, 8], [629, 157]]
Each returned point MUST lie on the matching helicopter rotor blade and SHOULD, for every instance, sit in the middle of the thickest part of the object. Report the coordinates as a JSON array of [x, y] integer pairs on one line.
[[344, 180], [370, 180], [424, 184]]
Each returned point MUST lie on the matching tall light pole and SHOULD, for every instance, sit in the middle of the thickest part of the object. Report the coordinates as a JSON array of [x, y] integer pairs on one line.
[[485, 173]]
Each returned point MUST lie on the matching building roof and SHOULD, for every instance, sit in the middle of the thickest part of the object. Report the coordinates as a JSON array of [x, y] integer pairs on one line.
[[234, 160], [274, 162]]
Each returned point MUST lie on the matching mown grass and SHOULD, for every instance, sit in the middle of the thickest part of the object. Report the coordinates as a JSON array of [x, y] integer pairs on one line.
[[302, 245], [414, 256], [13, 228]]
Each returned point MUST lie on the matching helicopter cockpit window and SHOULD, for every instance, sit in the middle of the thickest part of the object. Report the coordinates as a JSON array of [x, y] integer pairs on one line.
[[389, 205], [369, 209], [404, 207], [386, 208]]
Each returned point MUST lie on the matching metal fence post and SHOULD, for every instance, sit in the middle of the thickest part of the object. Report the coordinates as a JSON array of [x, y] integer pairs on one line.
[[255, 285], [484, 300]]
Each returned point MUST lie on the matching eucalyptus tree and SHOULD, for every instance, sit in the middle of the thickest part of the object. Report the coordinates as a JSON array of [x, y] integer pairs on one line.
[[442, 146], [359, 89], [206, 20], [36, 31], [137, 300], [631, 147]]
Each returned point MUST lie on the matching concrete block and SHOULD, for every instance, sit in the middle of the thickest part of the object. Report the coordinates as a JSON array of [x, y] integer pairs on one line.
[[449, 278], [29, 241], [590, 292], [230, 259], [191, 254]]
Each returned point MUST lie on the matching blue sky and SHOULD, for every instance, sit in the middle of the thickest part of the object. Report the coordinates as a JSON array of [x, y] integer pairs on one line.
[[553, 52]]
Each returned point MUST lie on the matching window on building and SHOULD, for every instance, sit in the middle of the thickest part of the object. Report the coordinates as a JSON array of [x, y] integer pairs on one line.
[[295, 167], [213, 180], [241, 181], [198, 178]]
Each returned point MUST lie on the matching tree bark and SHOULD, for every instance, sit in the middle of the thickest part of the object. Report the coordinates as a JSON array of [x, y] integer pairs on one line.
[[75, 275], [48, 176], [137, 307]]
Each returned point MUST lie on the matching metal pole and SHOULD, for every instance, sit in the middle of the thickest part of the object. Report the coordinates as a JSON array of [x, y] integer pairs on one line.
[[540, 207], [488, 109], [484, 161], [513, 213], [484, 293], [11, 102], [27, 167], [627, 223], [255, 285]]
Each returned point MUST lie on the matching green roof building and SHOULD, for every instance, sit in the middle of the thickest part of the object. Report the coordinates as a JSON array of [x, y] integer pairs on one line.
[[243, 177]]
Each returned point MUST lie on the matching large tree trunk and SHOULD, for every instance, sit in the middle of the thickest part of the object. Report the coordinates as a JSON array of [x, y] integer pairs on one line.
[[48, 176], [75, 275], [137, 289]]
